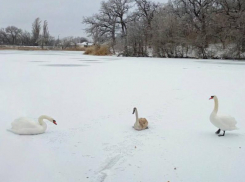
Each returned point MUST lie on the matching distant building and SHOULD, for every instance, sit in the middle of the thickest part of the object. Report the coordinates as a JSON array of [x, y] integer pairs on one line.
[[84, 44]]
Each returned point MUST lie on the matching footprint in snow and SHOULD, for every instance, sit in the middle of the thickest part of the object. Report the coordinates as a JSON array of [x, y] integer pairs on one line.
[[105, 171]]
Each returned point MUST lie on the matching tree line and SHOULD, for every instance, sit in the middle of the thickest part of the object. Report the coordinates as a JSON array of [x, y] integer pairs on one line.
[[39, 36], [179, 28]]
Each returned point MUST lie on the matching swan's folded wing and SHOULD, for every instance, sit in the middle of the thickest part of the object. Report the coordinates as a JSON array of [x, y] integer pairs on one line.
[[23, 123], [143, 122], [228, 120]]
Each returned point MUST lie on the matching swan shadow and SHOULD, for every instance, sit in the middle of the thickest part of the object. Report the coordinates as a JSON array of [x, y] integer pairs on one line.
[[64, 65], [94, 62], [87, 60], [38, 61], [76, 58], [233, 135], [227, 134], [23, 135], [224, 63], [147, 129], [111, 59], [233, 63]]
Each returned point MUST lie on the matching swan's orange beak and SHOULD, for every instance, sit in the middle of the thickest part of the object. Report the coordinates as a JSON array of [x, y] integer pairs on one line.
[[211, 97], [54, 122]]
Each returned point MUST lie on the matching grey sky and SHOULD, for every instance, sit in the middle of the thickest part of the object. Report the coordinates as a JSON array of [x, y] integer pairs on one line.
[[64, 16]]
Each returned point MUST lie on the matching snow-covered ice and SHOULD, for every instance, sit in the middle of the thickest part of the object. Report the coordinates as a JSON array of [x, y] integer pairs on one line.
[[92, 99]]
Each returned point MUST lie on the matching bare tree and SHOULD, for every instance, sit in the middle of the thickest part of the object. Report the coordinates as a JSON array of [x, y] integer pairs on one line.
[[36, 29], [120, 9], [233, 27], [198, 13], [4, 37], [14, 34], [169, 39], [67, 42], [102, 26], [136, 39], [99, 28], [82, 39], [25, 38], [45, 35], [146, 12]]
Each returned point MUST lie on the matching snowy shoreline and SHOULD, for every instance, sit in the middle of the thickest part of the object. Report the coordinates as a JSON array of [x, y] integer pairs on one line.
[[219, 55]]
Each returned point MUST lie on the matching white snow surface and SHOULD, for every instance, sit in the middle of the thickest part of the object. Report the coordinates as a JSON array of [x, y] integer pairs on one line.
[[92, 100]]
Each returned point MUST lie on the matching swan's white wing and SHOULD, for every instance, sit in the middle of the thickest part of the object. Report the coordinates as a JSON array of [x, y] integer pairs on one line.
[[228, 121], [24, 122]]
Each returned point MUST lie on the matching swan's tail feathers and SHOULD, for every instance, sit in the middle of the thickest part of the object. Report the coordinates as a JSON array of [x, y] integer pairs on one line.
[[234, 128], [10, 130], [13, 130]]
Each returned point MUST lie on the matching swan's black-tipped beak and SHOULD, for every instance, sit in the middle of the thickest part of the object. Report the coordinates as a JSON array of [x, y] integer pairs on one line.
[[54, 122], [133, 111], [211, 97]]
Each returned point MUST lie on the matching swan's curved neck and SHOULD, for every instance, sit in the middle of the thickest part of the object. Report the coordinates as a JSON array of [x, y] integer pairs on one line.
[[216, 105], [41, 122], [136, 114]]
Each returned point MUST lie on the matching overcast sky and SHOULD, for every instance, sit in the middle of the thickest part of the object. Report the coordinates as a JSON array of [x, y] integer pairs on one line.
[[64, 16]]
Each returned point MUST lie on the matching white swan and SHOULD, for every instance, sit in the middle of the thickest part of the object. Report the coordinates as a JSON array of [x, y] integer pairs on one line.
[[141, 123], [223, 122], [26, 126]]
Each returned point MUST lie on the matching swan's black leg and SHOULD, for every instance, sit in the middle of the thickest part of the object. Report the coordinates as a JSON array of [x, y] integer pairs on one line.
[[223, 134], [218, 131]]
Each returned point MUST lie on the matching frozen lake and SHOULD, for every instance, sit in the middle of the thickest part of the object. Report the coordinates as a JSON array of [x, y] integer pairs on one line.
[[92, 100]]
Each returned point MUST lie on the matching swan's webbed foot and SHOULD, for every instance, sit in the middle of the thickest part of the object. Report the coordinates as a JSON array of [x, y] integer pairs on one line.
[[223, 134], [218, 131]]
